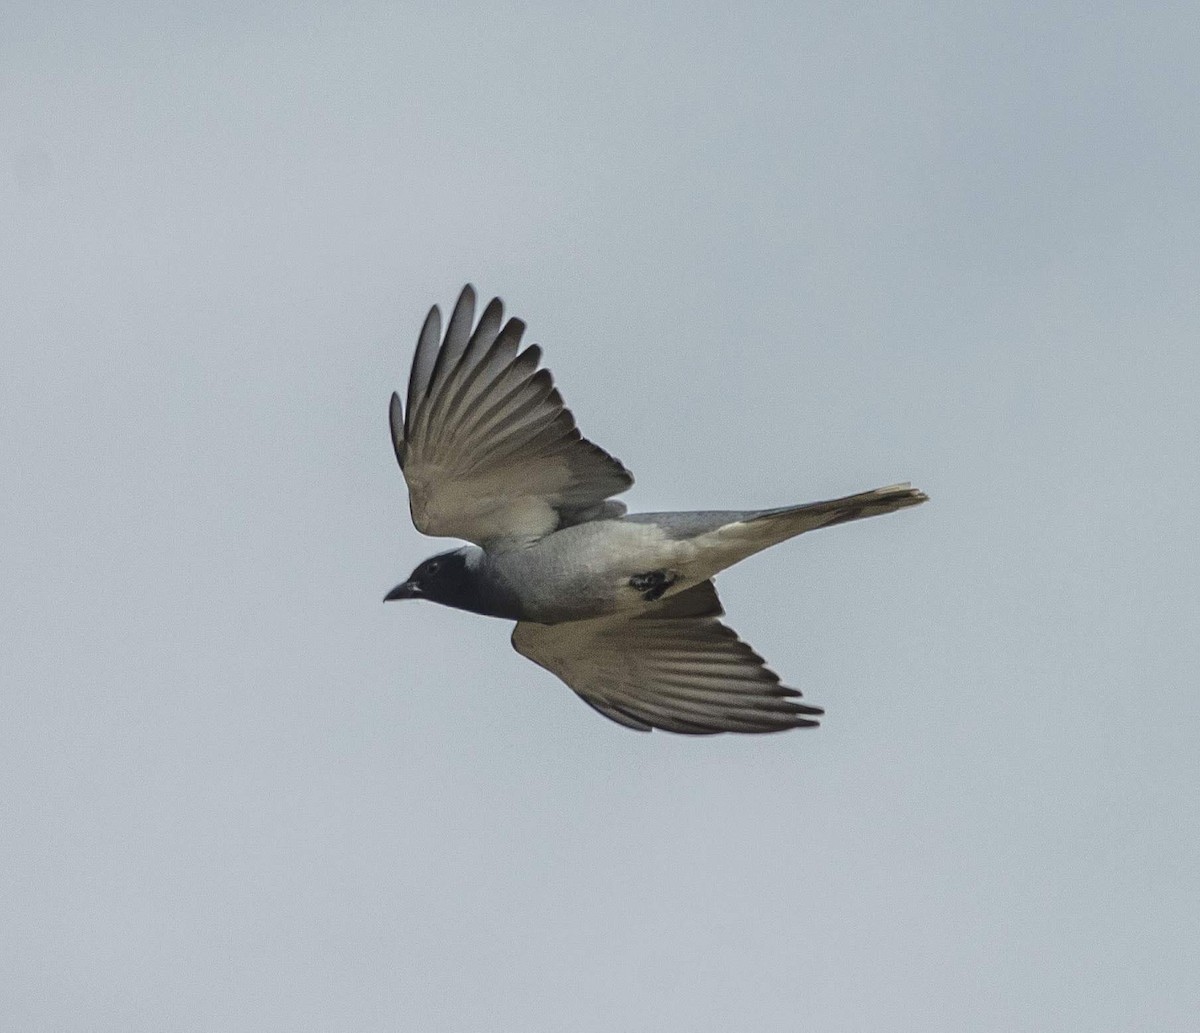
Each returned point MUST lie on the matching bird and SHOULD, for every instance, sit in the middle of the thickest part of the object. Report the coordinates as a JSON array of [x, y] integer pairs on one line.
[[619, 606]]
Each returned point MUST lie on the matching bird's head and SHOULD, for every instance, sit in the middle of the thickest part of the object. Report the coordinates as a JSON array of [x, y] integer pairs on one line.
[[444, 579]]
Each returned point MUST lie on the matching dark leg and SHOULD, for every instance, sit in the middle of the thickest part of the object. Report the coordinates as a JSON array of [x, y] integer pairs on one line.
[[653, 583]]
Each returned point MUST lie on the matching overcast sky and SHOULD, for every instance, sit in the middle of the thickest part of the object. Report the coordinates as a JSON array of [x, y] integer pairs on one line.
[[774, 253]]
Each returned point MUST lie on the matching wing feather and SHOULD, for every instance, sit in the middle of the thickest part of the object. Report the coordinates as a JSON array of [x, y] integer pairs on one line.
[[493, 401], [473, 371], [424, 358], [672, 666], [489, 449]]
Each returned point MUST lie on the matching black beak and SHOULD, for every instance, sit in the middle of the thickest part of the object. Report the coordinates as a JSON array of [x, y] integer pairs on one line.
[[408, 590]]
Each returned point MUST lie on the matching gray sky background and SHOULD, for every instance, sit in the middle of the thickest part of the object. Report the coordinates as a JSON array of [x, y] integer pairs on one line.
[[775, 254]]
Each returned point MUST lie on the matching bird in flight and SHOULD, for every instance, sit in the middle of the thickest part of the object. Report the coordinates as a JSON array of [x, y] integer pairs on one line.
[[620, 606]]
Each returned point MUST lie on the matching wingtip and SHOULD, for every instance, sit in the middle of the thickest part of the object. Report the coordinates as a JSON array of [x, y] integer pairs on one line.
[[493, 310], [431, 329], [396, 424], [464, 307]]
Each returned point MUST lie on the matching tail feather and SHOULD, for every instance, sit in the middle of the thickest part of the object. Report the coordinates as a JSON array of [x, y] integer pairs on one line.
[[794, 520]]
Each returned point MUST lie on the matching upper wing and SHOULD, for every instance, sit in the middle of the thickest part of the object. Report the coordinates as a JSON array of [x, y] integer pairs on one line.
[[488, 448], [672, 666]]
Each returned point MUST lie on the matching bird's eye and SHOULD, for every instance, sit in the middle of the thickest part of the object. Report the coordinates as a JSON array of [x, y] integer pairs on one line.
[[433, 567]]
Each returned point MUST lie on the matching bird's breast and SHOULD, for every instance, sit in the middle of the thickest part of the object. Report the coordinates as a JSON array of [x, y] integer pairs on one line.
[[584, 571]]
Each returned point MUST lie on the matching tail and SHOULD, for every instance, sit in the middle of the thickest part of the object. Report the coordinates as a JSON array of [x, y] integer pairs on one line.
[[793, 520]]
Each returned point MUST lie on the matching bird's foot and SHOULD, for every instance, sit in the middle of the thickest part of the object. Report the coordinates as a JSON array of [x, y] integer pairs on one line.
[[653, 584]]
